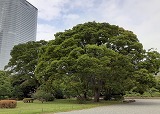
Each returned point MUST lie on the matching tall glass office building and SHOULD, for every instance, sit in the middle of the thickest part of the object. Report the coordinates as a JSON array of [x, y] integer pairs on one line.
[[18, 24]]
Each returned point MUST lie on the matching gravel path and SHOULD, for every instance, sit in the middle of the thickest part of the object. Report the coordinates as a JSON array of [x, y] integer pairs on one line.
[[141, 106]]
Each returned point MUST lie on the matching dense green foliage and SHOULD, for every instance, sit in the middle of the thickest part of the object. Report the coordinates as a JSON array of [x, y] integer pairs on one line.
[[43, 96], [89, 60], [5, 85], [22, 64], [94, 59]]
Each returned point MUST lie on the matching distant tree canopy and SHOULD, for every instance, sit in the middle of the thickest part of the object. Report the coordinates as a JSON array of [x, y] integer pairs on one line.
[[95, 59], [22, 64]]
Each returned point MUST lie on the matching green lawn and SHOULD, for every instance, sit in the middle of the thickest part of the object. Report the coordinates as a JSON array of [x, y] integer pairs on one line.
[[55, 106]]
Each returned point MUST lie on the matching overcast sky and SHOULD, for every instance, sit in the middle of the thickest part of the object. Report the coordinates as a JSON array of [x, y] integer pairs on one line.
[[140, 16]]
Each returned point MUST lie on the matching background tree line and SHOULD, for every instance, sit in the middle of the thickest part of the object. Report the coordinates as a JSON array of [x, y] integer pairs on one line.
[[89, 60]]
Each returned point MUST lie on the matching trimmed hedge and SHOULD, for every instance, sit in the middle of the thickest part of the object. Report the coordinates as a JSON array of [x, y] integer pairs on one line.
[[8, 103], [28, 100]]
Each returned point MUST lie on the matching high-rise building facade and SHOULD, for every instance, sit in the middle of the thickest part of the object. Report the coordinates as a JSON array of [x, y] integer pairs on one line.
[[18, 24]]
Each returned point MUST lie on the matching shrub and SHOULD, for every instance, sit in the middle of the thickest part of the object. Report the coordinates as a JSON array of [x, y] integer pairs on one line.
[[156, 94], [107, 97], [43, 96], [8, 104], [118, 97], [59, 94], [28, 100], [81, 100], [115, 97]]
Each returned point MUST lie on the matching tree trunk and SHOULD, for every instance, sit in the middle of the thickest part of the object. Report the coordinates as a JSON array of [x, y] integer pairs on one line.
[[96, 95], [85, 95]]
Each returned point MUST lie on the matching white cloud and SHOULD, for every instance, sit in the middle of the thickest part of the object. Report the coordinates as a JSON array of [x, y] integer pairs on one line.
[[82, 4], [140, 16], [70, 20], [45, 32], [145, 22], [71, 17], [48, 9]]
